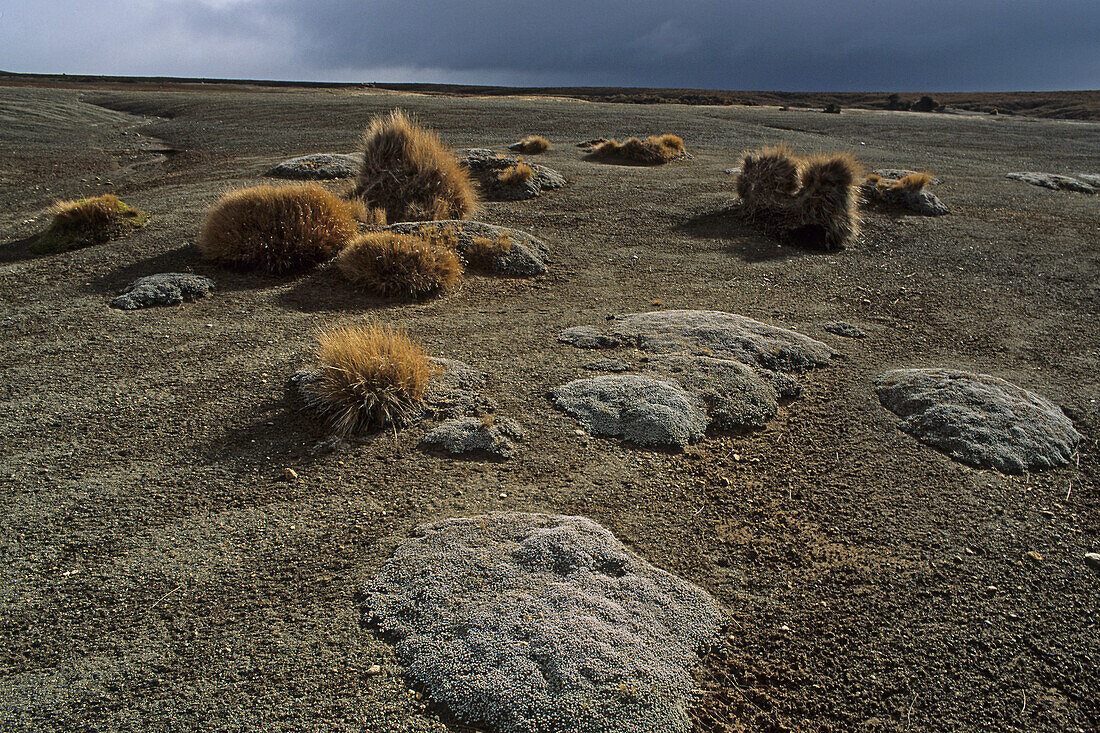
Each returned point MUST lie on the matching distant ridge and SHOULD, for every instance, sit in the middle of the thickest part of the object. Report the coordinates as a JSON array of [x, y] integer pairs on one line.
[[1072, 104]]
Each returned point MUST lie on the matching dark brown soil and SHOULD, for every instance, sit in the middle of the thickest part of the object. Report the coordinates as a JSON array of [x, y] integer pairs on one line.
[[162, 571]]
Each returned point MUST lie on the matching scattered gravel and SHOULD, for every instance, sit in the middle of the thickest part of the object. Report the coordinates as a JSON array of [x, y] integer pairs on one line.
[[476, 435], [486, 164], [319, 166], [168, 288], [527, 256], [608, 365], [1081, 183], [539, 623], [979, 419]]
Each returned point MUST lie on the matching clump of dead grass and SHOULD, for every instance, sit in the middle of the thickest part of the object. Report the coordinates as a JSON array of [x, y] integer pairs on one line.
[[409, 173], [810, 201], [654, 150], [369, 376], [531, 145], [391, 264], [88, 221], [877, 188], [515, 175], [278, 228]]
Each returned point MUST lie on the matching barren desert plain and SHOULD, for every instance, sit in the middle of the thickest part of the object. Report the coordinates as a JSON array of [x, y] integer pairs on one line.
[[183, 548]]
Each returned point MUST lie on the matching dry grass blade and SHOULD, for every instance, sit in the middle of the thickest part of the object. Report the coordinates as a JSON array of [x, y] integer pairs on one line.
[[89, 221], [391, 264], [409, 173], [370, 376], [278, 228]]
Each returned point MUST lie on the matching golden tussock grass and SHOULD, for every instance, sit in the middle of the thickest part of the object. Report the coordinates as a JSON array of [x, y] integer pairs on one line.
[[810, 201], [654, 150], [409, 173], [531, 145], [369, 376], [390, 264], [84, 222], [914, 181], [278, 228], [515, 175]]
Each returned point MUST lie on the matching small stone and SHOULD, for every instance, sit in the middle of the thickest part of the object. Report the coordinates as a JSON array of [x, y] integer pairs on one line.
[[290, 474], [168, 288], [1092, 559], [374, 669], [1034, 556]]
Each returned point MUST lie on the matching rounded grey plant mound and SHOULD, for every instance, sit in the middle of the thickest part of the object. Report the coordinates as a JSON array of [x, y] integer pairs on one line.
[[319, 166], [535, 623], [167, 288], [641, 409], [979, 419], [476, 435], [1081, 183], [485, 165], [713, 333]]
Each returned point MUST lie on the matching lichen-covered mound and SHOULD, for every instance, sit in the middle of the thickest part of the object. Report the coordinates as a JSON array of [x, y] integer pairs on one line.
[[908, 192], [979, 419], [523, 255], [508, 178], [713, 333], [167, 288], [641, 409], [1081, 183], [715, 370], [534, 623], [319, 166], [811, 202], [476, 435]]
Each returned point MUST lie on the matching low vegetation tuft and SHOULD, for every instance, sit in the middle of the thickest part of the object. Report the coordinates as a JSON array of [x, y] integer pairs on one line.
[[278, 228], [86, 222], [655, 150], [390, 264], [369, 376], [807, 201], [408, 172], [515, 175], [531, 145]]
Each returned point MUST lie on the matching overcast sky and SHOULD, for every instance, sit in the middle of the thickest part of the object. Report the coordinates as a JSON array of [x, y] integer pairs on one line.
[[872, 45]]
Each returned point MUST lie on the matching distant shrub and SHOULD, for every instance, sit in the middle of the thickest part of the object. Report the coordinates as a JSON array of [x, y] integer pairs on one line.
[[89, 221], [369, 376], [832, 108], [278, 228], [408, 172], [391, 264], [655, 150], [531, 145], [807, 201]]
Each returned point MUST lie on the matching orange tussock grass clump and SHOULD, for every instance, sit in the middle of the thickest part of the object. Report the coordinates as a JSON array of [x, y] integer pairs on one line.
[[278, 228], [809, 201], [391, 264], [408, 172], [369, 376], [914, 181], [482, 251], [88, 221], [515, 175], [532, 145], [654, 150]]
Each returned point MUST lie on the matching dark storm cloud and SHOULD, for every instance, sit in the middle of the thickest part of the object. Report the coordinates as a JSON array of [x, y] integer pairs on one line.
[[785, 44], [866, 44]]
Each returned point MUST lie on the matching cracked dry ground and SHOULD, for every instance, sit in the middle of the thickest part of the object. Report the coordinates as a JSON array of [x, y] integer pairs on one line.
[[160, 571]]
